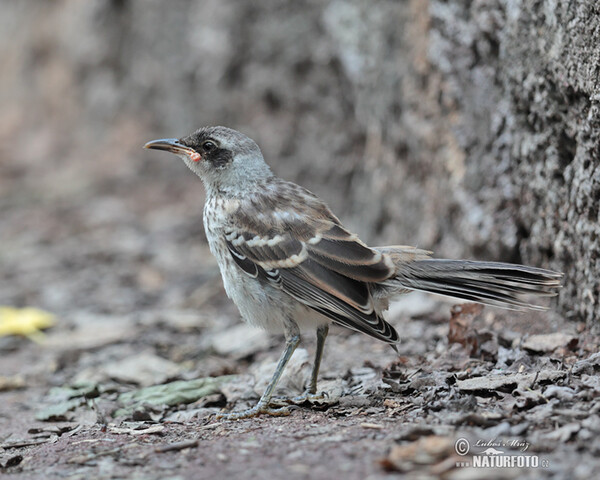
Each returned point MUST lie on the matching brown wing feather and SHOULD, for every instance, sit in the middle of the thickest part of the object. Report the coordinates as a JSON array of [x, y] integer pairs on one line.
[[349, 256], [301, 247]]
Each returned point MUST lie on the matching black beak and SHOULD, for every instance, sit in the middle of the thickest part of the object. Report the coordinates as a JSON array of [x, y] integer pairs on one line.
[[170, 145]]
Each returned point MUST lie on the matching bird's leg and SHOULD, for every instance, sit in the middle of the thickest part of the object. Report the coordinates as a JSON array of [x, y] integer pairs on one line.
[[292, 335], [322, 332], [311, 391]]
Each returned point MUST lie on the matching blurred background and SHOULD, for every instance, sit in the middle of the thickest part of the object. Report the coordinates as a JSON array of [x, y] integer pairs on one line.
[[468, 128]]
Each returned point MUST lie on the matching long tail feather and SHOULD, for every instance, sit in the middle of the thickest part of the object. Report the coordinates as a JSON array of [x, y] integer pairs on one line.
[[499, 284]]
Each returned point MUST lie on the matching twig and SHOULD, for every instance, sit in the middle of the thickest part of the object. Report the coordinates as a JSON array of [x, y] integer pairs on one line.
[[172, 447]]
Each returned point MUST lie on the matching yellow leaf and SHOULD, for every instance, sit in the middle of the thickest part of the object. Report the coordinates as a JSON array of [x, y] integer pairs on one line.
[[24, 321]]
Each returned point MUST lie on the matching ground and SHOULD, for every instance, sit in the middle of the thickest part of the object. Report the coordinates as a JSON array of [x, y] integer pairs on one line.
[[119, 257]]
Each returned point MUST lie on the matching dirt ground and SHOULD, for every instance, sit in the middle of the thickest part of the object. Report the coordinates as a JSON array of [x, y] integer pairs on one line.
[[119, 256]]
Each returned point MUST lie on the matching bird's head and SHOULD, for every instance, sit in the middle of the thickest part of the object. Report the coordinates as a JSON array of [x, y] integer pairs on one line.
[[223, 158]]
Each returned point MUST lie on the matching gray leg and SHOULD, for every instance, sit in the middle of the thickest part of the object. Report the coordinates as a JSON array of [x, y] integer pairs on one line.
[[322, 332], [310, 395], [292, 335]]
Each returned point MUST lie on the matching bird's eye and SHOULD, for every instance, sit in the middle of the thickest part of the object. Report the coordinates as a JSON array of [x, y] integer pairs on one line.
[[209, 146]]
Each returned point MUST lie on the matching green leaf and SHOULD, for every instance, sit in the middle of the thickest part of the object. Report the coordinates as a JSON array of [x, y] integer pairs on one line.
[[58, 412], [170, 394]]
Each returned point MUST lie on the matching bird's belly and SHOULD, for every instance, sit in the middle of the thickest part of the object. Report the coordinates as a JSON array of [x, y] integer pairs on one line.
[[258, 304]]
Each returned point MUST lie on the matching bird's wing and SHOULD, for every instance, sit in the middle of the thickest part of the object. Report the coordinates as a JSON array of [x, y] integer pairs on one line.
[[299, 246]]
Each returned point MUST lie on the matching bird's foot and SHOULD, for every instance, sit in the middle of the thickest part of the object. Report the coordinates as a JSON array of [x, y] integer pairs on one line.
[[310, 398], [259, 409]]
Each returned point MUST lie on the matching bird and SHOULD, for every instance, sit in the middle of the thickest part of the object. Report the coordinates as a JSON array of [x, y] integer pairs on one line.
[[290, 265]]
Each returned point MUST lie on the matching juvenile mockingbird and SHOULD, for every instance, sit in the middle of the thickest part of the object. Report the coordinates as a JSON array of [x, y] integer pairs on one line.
[[289, 264]]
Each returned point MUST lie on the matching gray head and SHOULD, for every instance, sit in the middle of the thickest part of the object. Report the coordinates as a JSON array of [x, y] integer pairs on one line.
[[225, 160]]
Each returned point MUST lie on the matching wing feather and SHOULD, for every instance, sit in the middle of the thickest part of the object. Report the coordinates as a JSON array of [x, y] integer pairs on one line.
[[302, 248]]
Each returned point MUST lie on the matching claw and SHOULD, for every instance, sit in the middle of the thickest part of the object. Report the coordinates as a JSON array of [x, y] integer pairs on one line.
[[308, 397]]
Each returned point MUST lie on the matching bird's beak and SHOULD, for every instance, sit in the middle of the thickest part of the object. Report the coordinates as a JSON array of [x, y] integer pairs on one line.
[[170, 145], [173, 145]]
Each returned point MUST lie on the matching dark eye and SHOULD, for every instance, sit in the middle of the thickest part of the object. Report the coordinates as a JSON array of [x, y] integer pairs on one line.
[[209, 146]]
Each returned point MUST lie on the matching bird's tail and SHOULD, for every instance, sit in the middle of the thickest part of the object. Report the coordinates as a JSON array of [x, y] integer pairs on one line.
[[491, 283]]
